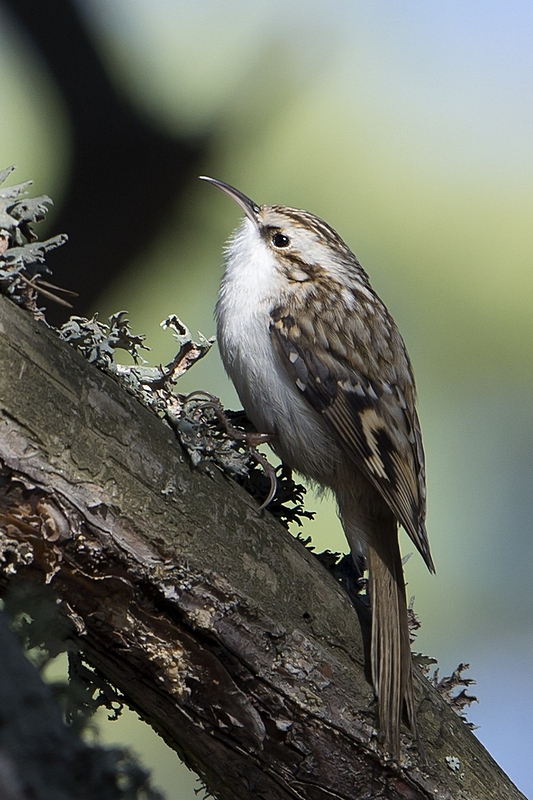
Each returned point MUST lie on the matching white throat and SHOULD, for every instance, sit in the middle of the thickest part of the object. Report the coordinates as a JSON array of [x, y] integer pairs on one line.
[[251, 278], [250, 288]]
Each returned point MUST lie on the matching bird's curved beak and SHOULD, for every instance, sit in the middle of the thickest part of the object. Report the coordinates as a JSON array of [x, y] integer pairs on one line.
[[250, 208]]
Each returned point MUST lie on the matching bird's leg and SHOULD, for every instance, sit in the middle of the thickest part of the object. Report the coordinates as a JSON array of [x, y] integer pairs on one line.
[[249, 438]]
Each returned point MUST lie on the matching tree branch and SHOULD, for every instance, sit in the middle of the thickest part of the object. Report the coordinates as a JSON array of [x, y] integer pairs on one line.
[[221, 630], [142, 170]]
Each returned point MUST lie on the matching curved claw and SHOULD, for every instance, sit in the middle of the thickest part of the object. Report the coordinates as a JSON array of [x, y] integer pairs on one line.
[[200, 393], [271, 473]]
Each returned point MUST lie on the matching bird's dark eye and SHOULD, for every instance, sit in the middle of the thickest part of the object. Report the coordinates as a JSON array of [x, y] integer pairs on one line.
[[280, 240]]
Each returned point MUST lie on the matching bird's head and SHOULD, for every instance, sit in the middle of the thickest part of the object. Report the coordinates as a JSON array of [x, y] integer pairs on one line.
[[299, 243]]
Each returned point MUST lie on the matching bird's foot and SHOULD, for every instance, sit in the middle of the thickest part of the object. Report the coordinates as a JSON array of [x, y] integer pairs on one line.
[[251, 439]]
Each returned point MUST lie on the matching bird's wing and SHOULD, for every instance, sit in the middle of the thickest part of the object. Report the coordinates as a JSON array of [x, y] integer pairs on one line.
[[376, 425]]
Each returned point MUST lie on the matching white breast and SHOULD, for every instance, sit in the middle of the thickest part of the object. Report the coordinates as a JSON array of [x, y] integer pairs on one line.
[[251, 287]]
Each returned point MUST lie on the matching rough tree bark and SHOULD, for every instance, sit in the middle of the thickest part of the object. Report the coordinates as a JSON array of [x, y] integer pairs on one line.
[[222, 631]]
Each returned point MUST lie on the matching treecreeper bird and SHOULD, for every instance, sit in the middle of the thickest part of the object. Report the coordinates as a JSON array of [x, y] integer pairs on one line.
[[319, 365]]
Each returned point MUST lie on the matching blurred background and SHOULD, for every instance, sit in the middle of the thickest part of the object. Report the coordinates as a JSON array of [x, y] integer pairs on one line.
[[408, 126]]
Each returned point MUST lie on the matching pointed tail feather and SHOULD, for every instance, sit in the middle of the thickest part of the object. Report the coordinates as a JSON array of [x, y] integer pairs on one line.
[[390, 647]]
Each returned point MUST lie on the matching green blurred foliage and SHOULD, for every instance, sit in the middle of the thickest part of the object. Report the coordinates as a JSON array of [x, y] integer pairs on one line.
[[407, 126]]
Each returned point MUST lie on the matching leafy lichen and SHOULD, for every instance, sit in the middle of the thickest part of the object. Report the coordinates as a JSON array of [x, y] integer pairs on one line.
[[22, 258]]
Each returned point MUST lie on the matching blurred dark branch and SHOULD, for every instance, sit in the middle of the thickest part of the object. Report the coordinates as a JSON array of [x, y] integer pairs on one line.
[[219, 628], [126, 175], [42, 758]]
